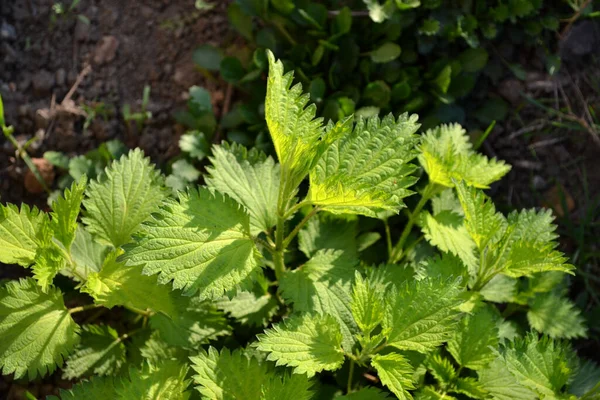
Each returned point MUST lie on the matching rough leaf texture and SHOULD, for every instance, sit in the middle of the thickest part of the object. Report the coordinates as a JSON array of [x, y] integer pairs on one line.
[[249, 177], [368, 169], [201, 242], [65, 211], [556, 316], [165, 382], [396, 373], [36, 329], [18, 243], [309, 343], [123, 198]]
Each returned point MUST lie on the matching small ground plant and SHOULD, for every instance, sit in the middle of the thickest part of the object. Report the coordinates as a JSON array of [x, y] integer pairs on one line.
[[258, 285]]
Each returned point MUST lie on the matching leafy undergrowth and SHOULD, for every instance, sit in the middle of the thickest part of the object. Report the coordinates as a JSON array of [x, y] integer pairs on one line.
[[263, 285]]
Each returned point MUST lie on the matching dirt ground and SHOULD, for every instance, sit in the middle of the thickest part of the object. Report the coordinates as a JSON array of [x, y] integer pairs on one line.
[[128, 44]]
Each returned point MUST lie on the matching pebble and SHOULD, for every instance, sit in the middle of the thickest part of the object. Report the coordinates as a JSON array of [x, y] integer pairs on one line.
[[106, 50], [43, 82]]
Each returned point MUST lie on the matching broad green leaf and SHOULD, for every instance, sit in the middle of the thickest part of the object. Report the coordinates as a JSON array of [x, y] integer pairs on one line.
[[249, 177], [471, 342], [430, 393], [470, 387], [445, 266], [18, 228], [155, 350], [65, 211], [166, 381], [195, 323], [542, 365], [324, 285], [447, 154], [309, 343], [96, 388], [442, 369], [366, 393], [123, 198], [230, 375], [49, 258], [421, 315], [326, 232], [36, 328], [501, 289], [395, 372], [118, 284], [446, 230], [292, 386], [368, 169], [201, 242], [368, 306], [586, 379], [297, 135], [556, 316], [100, 352], [249, 308], [385, 53], [87, 254], [501, 384]]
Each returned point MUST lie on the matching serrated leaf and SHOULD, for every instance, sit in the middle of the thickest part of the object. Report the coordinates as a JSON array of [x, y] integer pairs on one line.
[[201, 242], [166, 381], [155, 350], [442, 369], [100, 352], [297, 135], [87, 254], [123, 198], [323, 285], [249, 177], [49, 259], [328, 232], [96, 388], [430, 393], [118, 284], [556, 316], [471, 342], [586, 379], [447, 154], [292, 386], [368, 306], [542, 365], [230, 375], [194, 323], [249, 308], [445, 266], [421, 315], [36, 328], [469, 387], [366, 393], [395, 372], [18, 228], [368, 170], [501, 384], [500, 289], [309, 343], [65, 210]]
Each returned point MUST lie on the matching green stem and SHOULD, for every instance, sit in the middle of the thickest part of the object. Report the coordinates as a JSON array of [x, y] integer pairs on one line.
[[83, 308], [349, 387], [388, 238], [428, 193], [284, 32], [279, 248], [293, 234]]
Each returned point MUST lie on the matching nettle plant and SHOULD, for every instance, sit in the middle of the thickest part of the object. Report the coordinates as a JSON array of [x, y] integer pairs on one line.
[[244, 291]]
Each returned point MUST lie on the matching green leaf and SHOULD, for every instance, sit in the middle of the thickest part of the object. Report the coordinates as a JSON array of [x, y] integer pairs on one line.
[[429, 27], [37, 330], [473, 60], [368, 306], [328, 231], [309, 343], [447, 154], [542, 365], [395, 372], [501, 289], [369, 169], [119, 285], [556, 316], [283, 6], [366, 393], [202, 242], [155, 350], [586, 379], [297, 135], [445, 266], [87, 254], [442, 369], [166, 381], [473, 341], [385, 53], [293, 386], [195, 144], [100, 352], [323, 285], [18, 228], [96, 388], [430, 393], [65, 212], [125, 197], [232, 69], [49, 258], [229, 375], [421, 315], [195, 323], [470, 387], [249, 177], [249, 308], [208, 57]]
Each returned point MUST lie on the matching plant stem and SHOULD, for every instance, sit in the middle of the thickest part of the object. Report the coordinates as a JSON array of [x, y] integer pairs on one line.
[[349, 387], [293, 234], [83, 308], [428, 193], [388, 238], [279, 248]]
